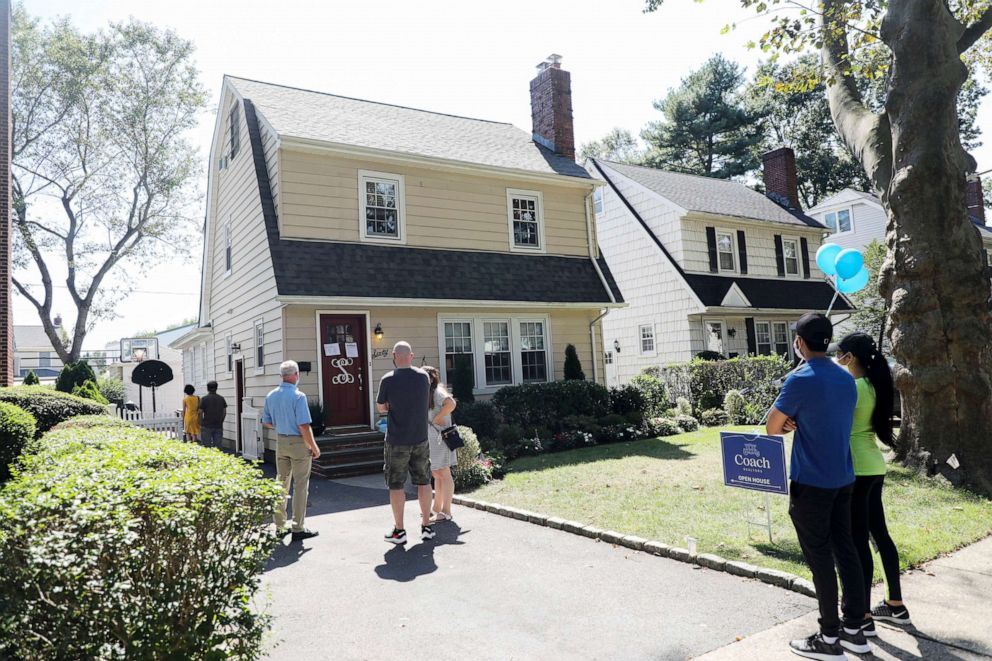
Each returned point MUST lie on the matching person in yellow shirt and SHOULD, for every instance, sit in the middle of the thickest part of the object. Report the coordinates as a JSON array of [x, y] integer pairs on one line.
[[191, 414], [872, 419]]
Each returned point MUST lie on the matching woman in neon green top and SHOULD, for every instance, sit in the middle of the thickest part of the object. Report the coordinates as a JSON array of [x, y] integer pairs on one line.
[[872, 418]]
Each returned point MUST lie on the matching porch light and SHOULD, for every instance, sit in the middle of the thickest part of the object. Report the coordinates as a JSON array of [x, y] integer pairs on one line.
[[378, 331], [235, 347], [616, 345]]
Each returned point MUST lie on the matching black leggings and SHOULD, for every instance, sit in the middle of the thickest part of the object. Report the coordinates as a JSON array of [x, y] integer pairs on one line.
[[868, 517]]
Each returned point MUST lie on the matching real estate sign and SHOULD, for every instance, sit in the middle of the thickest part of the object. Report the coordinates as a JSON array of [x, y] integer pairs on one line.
[[754, 461]]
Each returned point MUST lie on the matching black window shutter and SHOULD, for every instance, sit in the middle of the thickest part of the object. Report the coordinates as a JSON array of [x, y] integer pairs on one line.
[[742, 251], [752, 341], [779, 255], [711, 246], [805, 249]]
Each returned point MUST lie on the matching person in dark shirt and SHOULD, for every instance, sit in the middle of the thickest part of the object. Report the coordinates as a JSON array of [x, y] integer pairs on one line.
[[817, 401], [214, 409], [403, 397]]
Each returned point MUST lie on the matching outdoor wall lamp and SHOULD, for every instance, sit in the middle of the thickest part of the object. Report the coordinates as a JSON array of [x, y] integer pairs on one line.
[[235, 347], [378, 331], [616, 345], [732, 332]]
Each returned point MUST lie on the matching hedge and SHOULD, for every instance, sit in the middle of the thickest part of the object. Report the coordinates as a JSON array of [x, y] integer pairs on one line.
[[545, 405], [90, 421], [49, 407], [89, 390], [705, 383], [119, 544], [17, 427]]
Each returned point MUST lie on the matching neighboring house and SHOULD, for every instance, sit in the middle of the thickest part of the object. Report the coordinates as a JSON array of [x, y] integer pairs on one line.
[[168, 398], [33, 352], [705, 264], [336, 227], [855, 219]]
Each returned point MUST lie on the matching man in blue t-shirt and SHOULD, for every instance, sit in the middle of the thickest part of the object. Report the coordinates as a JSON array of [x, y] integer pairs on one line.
[[817, 402]]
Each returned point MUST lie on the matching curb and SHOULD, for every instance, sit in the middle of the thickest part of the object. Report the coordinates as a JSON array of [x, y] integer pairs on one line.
[[774, 577]]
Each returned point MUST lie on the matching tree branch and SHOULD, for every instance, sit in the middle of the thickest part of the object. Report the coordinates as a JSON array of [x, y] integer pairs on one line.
[[974, 32]]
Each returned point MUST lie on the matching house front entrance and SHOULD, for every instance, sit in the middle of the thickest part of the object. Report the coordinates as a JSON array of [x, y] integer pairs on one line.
[[344, 370]]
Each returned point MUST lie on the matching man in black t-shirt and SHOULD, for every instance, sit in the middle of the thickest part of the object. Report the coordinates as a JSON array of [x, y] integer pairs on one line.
[[214, 409], [403, 395]]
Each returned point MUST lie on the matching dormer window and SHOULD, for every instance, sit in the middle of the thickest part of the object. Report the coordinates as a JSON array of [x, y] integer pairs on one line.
[[381, 206], [526, 219], [725, 250], [790, 255]]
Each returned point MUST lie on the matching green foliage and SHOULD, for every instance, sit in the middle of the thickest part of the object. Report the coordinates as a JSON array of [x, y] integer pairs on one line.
[[473, 470], [704, 384], [17, 427], [618, 146], [871, 309], [707, 128], [714, 418], [481, 417], [463, 378], [111, 387], [317, 416], [49, 407], [31, 379], [736, 407], [573, 367], [687, 423], [103, 421], [119, 544], [655, 393], [538, 404], [89, 390], [627, 399], [682, 406], [73, 375], [663, 427]]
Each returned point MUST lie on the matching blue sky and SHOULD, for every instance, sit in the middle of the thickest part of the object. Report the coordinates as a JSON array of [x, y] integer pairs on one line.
[[466, 58]]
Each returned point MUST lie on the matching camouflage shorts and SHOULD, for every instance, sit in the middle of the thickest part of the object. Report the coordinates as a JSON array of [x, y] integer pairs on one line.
[[403, 459]]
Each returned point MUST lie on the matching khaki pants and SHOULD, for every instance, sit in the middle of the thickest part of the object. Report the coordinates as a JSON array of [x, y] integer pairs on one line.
[[293, 462]]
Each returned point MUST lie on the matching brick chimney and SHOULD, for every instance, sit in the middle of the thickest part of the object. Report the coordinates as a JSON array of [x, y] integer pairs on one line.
[[975, 197], [551, 107], [779, 171]]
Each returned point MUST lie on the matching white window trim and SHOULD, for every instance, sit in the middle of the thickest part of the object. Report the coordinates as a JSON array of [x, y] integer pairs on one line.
[[789, 338], [733, 250], [258, 323], [517, 192], [228, 245], [640, 340], [607, 357], [478, 346], [850, 211], [799, 257], [723, 327], [598, 191], [228, 354], [204, 376], [400, 207]]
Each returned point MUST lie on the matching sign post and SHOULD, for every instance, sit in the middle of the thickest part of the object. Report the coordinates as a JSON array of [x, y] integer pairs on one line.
[[755, 462]]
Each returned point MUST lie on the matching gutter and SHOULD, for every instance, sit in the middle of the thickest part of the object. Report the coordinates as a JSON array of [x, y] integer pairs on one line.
[[609, 290], [592, 342]]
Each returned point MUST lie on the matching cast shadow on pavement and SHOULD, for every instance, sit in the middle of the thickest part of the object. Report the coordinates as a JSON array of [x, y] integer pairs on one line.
[[286, 554], [404, 564]]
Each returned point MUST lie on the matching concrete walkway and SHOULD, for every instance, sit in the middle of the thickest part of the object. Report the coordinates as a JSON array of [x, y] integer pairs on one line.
[[948, 600], [489, 587]]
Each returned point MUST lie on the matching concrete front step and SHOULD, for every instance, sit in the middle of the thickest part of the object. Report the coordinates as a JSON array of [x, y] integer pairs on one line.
[[347, 455], [349, 469]]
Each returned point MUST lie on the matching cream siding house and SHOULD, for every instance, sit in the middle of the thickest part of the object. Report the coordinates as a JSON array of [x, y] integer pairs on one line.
[[705, 265], [336, 227]]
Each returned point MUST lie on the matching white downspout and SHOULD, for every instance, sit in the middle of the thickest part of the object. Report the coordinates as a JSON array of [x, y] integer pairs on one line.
[[592, 258]]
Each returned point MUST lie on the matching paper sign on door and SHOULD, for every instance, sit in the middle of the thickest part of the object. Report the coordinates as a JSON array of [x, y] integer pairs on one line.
[[351, 349], [332, 349]]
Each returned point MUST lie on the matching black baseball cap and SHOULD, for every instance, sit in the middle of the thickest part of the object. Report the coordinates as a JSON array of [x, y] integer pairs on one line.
[[816, 330]]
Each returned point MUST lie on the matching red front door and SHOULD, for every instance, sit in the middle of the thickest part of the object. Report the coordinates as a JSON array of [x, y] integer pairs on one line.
[[344, 366]]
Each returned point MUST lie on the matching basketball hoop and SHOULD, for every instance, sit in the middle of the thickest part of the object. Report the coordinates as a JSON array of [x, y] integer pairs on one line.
[[138, 355], [139, 349]]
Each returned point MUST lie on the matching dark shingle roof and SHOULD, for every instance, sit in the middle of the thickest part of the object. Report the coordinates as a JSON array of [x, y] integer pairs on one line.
[[310, 115], [708, 195], [312, 268], [780, 294]]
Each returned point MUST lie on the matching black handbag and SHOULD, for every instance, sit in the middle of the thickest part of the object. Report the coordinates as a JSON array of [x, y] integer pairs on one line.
[[451, 437]]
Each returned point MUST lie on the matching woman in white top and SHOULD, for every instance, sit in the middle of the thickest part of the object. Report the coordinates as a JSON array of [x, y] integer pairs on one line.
[[439, 408]]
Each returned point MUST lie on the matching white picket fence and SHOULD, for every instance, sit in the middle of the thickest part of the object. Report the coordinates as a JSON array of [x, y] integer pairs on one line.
[[170, 426]]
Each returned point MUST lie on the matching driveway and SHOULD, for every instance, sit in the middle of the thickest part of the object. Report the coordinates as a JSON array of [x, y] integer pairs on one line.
[[489, 587]]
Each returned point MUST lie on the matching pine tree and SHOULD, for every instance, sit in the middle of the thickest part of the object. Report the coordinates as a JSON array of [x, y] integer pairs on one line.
[[573, 367]]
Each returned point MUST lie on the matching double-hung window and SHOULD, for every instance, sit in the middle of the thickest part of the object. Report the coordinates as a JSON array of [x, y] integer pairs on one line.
[[458, 348], [780, 338], [533, 355], [725, 250], [228, 341], [227, 248], [381, 206], [763, 338], [597, 200], [497, 354], [646, 334], [608, 358], [259, 346], [772, 337], [790, 256], [496, 351], [838, 221], [525, 211]]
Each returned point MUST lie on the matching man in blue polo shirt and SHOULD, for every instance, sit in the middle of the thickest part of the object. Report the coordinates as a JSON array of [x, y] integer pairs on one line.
[[287, 412], [817, 401]]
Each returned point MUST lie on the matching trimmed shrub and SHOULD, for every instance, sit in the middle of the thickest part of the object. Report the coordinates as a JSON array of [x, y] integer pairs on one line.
[[682, 406], [89, 391], [627, 399], [17, 428], [687, 423], [123, 545], [532, 405], [655, 394], [507, 441], [74, 374], [31, 379], [705, 383], [49, 407], [111, 387], [473, 469], [103, 421], [714, 418], [710, 355], [480, 417], [573, 366], [736, 407], [612, 420], [662, 427]]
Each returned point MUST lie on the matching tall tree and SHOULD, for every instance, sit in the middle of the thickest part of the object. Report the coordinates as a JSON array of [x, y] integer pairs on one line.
[[619, 146], [933, 277], [707, 128], [104, 174]]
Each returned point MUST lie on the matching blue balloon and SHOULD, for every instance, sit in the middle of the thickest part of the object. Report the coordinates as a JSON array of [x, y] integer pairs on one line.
[[855, 284], [848, 263], [825, 257]]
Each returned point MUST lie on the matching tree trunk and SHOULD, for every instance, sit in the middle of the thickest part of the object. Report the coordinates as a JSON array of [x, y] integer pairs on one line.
[[933, 277]]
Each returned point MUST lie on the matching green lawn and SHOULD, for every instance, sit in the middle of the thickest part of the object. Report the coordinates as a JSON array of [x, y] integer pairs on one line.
[[666, 488]]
